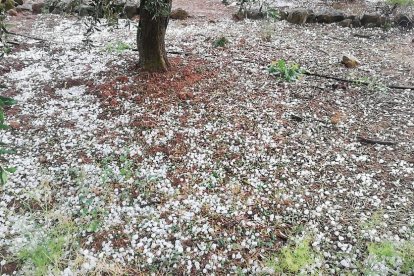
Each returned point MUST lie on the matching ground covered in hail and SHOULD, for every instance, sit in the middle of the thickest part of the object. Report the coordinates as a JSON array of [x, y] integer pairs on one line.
[[215, 167]]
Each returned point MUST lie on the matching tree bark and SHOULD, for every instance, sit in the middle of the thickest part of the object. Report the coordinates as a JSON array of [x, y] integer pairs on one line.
[[151, 38]]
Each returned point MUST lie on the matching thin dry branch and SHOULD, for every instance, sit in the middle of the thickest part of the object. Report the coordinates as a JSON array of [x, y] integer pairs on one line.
[[355, 81], [373, 141]]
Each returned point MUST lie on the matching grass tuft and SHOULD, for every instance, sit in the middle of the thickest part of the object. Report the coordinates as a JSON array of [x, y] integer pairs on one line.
[[293, 258]]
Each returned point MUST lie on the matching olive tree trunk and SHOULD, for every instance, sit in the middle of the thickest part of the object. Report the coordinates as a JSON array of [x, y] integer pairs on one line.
[[151, 36]]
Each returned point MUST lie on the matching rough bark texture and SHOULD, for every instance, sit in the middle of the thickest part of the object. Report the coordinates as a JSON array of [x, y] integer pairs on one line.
[[151, 39]]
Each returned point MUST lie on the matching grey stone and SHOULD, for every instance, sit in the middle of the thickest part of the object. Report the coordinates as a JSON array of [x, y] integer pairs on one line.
[[284, 15], [255, 15], [37, 7], [346, 23], [372, 20], [179, 14], [330, 16], [356, 23], [299, 16], [24, 7], [18, 2], [403, 20]]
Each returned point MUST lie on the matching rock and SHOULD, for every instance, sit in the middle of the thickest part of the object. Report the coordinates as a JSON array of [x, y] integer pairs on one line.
[[254, 15], [25, 7], [372, 20], [330, 16], [283, 15], [346, 23], [37, 7], [179, 14], [12, 12], [356, 23], [131, 10], [18, 2], [299, 16], [350, 61], [404, 21], [84, 10]]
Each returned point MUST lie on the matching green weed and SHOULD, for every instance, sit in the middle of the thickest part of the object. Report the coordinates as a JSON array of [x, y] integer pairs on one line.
[[221, 42], [117, 47], [273, 13], [396, 256], [117, 169], [401, 2], [293, 258], [91, 213], [49, 254], [4, 171], [288, 72]]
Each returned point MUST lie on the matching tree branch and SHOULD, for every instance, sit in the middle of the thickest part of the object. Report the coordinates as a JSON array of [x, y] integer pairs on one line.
[[373, 141], [354, 81]]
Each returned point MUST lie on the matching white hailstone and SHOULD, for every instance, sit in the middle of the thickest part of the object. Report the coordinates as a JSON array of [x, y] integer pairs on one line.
[[345, 263]]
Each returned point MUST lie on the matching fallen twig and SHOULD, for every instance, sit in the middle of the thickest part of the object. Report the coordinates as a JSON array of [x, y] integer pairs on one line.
[[373, 141], [362, 35], [23, 35], [355, 81], [13, 43]]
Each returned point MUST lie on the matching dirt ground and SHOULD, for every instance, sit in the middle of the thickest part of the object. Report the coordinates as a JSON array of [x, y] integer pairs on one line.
[[216, 167]]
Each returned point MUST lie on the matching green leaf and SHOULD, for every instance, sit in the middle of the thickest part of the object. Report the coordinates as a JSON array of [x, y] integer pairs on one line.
[[4, 151], [11, 169], [3, 176], [7, 101]]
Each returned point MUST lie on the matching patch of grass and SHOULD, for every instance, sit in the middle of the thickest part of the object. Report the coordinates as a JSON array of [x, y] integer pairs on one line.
[[221, 42], [384, 251], [396, 257], [407, 255], [50, 253], [117, 47], [4, 171], [400, 2], [117, 168], [372, 84], [293, 258], [374, 221], [91, 214], [288, 72]]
